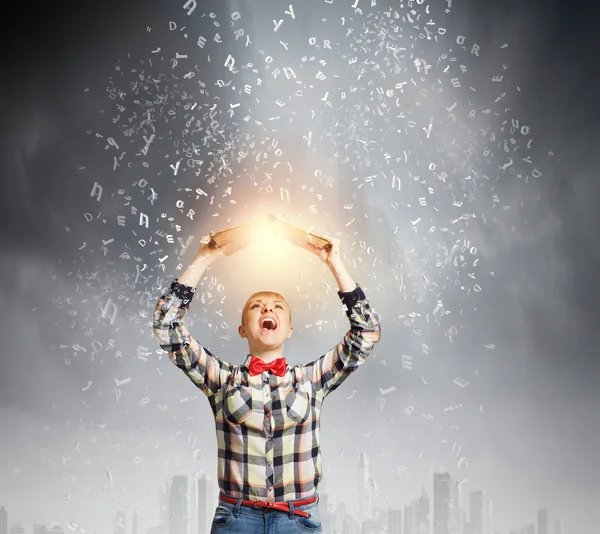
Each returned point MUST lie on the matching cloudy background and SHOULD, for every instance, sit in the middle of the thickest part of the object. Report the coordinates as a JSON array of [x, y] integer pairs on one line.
[[515, 265]]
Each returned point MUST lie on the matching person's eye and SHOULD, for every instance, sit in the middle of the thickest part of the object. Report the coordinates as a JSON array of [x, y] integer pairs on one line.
[[279, 306], [253, 306]]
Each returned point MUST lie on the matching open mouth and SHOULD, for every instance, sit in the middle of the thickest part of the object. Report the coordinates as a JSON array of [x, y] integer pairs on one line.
[[268, 323]]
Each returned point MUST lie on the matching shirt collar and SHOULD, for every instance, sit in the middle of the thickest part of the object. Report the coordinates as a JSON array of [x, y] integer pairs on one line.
[[247, 361]]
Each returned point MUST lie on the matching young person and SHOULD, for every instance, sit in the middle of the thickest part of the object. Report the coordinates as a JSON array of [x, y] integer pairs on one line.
[[266, 413]]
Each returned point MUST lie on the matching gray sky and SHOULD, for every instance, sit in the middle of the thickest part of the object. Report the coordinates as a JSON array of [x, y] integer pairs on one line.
[[518, 313]]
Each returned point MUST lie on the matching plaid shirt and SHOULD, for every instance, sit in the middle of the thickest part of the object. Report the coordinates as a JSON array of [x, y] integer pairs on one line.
[[267, 426]]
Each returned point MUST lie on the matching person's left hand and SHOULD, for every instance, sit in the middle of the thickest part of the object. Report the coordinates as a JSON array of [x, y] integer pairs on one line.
[[330, 256]]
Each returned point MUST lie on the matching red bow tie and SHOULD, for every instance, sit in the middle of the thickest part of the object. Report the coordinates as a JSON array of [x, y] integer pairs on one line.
[[277, 367]]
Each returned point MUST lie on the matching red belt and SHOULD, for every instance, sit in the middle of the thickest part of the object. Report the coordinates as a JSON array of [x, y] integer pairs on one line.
[[277, 505]]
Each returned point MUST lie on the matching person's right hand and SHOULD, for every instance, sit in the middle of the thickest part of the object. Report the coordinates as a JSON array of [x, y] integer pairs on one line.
[[207, 251], [225, 249]]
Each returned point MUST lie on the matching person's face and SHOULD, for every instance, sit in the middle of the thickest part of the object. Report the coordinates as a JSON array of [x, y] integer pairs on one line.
[[266, 322]]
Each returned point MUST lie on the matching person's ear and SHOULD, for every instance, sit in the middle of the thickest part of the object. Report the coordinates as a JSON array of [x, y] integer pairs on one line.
[[241, 331], [291, 329]]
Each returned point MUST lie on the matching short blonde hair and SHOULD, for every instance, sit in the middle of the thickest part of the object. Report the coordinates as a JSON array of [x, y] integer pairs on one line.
[[265, 293]]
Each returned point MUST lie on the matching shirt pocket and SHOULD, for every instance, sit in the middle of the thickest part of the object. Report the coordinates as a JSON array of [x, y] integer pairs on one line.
[[297, 405], [237, 408], [237, 404]]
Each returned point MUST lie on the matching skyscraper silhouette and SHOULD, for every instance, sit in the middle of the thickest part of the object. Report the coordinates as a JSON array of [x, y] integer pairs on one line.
[[410, 519], [543, 522], [446, 504], [351, 526], [135, 523], [394, 521], [204, 502], [163, 510], [480, 509], [340, 515], [120, 522], [558, 526], [423, 518], [324, 511], [363, 488], [178, 505], [3, 521]]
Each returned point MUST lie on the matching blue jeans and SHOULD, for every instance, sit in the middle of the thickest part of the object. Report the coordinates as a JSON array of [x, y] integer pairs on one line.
[[237, 519]]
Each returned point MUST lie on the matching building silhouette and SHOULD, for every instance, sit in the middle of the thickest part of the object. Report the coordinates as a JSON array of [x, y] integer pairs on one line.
[[163, 511], [326, 513], [203, 497], [542, 522], [363, 488], [480, 509], [371, 526], [340, 515], [135, 523], [423, 517], [177, 504], [3, 521], [377, 513], [558, 526], [460, 511], [17, 529], [411, 525], [446, 504], [394, 521], [120, 522], [350, 526]]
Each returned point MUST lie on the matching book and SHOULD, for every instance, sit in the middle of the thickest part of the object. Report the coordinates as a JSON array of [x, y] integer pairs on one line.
[[246, 234]]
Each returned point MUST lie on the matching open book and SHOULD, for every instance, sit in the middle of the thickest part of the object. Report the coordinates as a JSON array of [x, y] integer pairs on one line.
[[252, 232]]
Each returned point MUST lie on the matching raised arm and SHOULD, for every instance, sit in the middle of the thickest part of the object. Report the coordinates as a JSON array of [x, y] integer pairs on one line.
[[206, 371], [329, 371]]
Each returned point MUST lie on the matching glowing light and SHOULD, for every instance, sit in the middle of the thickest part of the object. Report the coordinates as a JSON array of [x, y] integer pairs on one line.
[[267, 233], [276, 258]]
